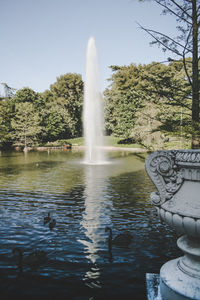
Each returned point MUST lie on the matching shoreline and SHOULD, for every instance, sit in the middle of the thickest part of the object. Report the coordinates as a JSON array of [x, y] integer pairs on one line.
[[112, 148], [81, 148]]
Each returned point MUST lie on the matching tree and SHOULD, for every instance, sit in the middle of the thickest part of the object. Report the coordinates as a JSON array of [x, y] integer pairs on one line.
[[60, 108], [67, 91], [6, 112], [30, 117], [56, 122], [186, 44], [167, 86], [123, 99], [146, 100], [25, 124], [26, 95]]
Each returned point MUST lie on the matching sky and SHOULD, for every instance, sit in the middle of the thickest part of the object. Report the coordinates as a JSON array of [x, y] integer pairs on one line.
[[44, 39]]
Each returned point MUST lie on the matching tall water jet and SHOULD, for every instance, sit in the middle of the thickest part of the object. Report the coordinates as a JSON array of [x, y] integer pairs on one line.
[[93, 109]]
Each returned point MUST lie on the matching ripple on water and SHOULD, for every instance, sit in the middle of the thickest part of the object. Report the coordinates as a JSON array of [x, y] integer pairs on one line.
[[83, 200]]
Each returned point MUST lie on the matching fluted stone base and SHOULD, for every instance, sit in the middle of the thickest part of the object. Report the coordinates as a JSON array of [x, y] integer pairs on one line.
[[180, 278], [177, 285]]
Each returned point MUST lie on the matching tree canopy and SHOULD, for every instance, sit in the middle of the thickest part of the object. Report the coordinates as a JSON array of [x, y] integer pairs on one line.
[[184, 45], [29, 116], [25, 124], [147, 98], [67, 93], [146, 103]]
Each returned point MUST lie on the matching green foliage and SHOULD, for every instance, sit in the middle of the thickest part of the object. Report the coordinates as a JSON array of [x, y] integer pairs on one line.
[[144, 103], [147, 102], [56, 113], [123, 99], [167, 82], [25, 124], [185, 44], [67, 94], [6, 111], [25, 95], [56, 122]]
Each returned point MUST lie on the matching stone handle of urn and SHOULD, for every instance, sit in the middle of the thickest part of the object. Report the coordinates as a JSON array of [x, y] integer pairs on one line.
[[165, 175]]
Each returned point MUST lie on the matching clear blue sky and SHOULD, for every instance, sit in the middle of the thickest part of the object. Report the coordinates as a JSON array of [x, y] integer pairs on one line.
[[43, 39]]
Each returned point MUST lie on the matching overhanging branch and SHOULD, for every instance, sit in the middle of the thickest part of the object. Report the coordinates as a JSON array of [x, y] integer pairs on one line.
[[153, 34], [174, 13]]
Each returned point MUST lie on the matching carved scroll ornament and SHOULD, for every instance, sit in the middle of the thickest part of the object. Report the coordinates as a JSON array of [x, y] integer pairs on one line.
[[165, 174]]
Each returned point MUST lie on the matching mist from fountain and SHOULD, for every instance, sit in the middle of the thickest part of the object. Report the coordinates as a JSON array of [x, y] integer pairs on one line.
[[93, 120]]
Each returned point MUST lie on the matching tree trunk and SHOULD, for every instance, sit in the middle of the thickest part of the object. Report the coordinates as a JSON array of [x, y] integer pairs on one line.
[[195, 81], [25, 141]]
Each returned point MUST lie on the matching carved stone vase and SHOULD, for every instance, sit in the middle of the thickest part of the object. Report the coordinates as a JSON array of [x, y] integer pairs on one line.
[[176, 175]]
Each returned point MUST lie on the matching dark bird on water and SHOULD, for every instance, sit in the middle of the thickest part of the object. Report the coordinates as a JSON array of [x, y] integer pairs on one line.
[[52, 224], [121, 240], [33, 259], [47, 218]]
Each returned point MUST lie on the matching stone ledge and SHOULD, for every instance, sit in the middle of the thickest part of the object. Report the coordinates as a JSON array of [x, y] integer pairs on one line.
[[152, 285]]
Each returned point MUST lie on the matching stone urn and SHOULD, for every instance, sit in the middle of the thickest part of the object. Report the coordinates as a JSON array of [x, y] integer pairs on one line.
[[176, 175]]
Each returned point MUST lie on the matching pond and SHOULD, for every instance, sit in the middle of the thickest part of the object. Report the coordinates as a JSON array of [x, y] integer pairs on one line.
[[83, 199]]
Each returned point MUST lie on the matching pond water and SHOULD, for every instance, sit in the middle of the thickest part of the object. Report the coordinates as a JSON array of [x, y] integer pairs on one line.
[[83, 199]]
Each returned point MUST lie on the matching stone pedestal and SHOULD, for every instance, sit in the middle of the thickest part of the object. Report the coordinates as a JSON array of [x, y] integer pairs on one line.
[[176, 175]]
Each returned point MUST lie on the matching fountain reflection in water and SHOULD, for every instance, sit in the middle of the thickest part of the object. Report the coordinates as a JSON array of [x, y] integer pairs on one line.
[[95, 218], [96, 215], [93, 109]]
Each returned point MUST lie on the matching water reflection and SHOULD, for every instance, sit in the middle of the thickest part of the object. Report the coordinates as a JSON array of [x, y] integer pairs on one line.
[[98, 202], [84, 199], [52, 172], [95, 218]]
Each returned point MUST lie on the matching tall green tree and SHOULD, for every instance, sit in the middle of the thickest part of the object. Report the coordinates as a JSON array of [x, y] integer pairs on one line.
[[6, 112], [56, 122], [25, 124], [184, 45], [123, 99], [67, 92]]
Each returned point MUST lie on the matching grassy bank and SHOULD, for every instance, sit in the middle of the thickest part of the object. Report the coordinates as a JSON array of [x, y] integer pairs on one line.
[[172, 143], [109, 141], [115, 142]]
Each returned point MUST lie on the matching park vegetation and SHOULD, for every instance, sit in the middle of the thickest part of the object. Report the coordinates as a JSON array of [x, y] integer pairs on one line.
[[143, 104], [185, 44], [153, 104], [31, 119]]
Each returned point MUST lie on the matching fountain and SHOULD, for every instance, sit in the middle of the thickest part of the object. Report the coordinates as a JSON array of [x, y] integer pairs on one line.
[[93, 109]]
